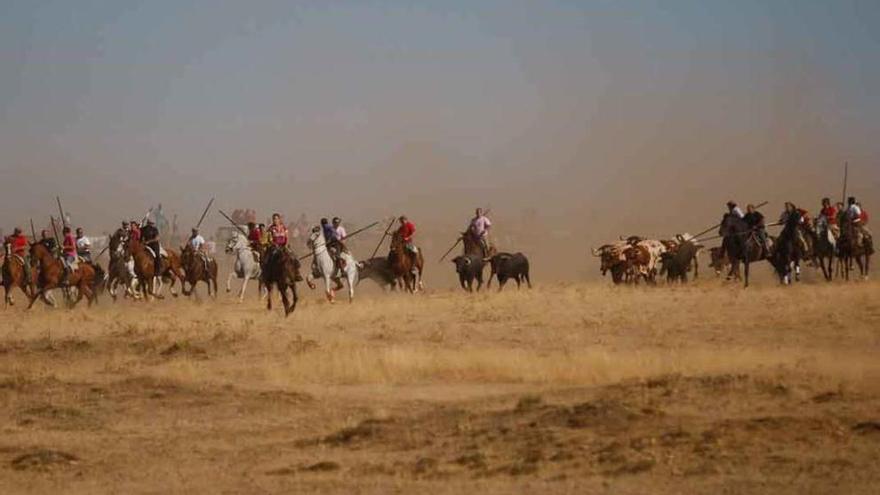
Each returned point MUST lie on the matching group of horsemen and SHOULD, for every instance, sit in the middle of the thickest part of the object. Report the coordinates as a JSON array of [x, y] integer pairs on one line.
[[831, 218], [266, 242]]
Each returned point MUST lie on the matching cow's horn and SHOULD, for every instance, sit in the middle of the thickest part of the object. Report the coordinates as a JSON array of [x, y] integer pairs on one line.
[[596, 252]]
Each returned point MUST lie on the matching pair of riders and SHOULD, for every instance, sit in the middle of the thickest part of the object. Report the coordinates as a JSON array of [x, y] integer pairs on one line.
[[334, 234]]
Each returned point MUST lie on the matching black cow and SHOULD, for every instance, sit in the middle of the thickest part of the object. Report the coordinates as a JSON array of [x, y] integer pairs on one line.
[[469, 267], [378, 270], [509, 266], [677, 264]]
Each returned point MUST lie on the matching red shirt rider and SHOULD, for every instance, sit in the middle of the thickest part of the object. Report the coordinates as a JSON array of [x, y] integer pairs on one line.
[[830, 213], [68, 246], [19, 244], [406, 230], [135, 234], [255, 236]]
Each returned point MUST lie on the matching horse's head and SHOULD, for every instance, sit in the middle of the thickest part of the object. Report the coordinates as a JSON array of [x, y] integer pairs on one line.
[[316, 238], [235, 243]]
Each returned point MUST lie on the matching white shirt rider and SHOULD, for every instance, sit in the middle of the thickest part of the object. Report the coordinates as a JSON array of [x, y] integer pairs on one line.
[[197, 242], [341, 234], [854, 213], [83, 245]]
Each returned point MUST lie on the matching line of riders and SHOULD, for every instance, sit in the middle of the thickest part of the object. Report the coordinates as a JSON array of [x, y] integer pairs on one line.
[[833, 223], [268, 243]]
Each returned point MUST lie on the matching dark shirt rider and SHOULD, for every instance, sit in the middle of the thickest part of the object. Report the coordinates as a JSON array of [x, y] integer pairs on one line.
[[150, 236], [755, 220]]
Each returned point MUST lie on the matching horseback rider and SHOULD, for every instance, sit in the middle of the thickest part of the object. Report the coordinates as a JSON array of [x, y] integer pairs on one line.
[[479, 230], [857, 219], [150, 236], [83, 246], [254, 235], [277, 236], [332, 241], [755, 221], [792, 212], [18, 244], [134, 231], [265, 237], [197, 243], [733, 209], [48, 241], [406, 231], [68, 250], [828, 215]]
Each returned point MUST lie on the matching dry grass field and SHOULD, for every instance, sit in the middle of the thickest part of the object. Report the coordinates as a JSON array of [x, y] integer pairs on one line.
[[573, 388]]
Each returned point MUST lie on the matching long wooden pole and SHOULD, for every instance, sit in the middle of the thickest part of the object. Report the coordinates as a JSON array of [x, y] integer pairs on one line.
[[61, 212], [349, 236], [202, 218], [384, 235], [33, 230], [233, 223], [845, 177]]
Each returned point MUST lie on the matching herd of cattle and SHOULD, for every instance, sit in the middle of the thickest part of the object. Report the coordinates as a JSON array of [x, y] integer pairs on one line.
[[635, 259]]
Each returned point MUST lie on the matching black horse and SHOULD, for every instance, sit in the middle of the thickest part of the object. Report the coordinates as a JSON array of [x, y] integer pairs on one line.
[[281, 269], [741, 244], [787, 252]]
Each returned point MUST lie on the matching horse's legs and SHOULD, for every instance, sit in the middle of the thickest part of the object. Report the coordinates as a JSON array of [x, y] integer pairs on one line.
[[244, 282], [229, 280], [269, 296], [282, 288], [328, 291]]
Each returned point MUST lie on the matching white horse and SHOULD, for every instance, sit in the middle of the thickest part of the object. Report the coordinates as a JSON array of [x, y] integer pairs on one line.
[[245, 266], [324, 267]]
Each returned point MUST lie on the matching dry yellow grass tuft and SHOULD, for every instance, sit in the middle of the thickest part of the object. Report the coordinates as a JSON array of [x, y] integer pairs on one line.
[[437, 391]]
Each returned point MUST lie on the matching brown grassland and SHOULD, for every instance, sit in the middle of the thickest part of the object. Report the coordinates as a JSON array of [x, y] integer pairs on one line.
[[567, 388]]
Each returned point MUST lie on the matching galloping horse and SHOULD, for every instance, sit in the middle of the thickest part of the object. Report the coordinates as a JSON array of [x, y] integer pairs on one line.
[[850, 249], [144, 268], [740, 244], [197, 269], [408, 269], [824, 246], [787, 251], [325, 268], [281, 269], [50, 273], [245, 267], [120, 270], [172, 271], [13, 274]]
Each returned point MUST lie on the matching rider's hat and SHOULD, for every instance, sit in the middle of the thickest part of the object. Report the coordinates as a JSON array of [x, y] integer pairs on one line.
[[731, 203]]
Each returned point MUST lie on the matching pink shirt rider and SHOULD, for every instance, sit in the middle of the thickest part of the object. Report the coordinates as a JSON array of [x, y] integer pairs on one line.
[[279, 234], [480, 225]]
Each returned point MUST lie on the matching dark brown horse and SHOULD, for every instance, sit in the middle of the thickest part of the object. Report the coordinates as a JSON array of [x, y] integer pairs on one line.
[[197, 269], [853, 247], [740, 244], [282, 270], [13, 273], [406, 266], [50, 273]]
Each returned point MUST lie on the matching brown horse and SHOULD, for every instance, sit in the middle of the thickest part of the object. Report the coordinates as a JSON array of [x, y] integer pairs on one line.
[[406, 267], [13, 274], [197, 269], [50, 272], [143, 267], [172, 270], [281, 269], [849, 249]]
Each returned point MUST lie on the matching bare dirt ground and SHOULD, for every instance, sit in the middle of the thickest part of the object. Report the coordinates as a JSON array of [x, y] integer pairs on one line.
[[562, 389]]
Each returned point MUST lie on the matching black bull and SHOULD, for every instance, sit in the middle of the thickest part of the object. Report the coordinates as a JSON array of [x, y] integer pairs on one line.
[[506, 266]]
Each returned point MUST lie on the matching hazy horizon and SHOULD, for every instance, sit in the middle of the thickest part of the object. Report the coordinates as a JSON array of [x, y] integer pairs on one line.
[[575, 121]]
